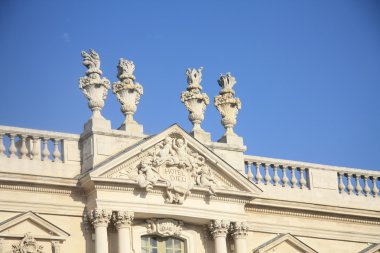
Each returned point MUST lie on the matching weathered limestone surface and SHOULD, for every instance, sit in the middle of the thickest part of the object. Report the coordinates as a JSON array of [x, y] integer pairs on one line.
[[105, 190]]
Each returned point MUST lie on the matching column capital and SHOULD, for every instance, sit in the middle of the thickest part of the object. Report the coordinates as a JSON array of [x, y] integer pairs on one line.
[[100, 217], [219, 228], [239, 230], [122, 218]]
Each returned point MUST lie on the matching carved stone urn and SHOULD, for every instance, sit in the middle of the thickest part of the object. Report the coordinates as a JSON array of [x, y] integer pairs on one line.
[[127, 91], [194, 100], [93, 86], [227, 104]]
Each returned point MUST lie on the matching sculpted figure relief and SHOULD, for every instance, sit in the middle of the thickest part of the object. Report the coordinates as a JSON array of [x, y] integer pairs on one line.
[[173, 163]]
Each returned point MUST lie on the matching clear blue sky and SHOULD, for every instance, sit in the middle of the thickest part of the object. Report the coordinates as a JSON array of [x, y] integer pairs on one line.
[[308, 72]]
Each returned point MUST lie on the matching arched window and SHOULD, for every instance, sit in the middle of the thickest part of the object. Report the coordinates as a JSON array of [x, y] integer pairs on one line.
[[155, 244]]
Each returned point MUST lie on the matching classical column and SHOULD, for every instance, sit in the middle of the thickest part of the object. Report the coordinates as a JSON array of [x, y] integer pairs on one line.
[[219, 231], [100, 219], [239, 232], [123, 221], [56, 245]]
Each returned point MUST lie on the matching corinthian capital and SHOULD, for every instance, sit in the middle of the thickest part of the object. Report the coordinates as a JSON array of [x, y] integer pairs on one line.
[[219, 228], [122, 219], [239, 229], [100, 217]]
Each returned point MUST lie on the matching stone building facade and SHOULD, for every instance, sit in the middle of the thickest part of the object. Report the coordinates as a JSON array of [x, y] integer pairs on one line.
[[122, 191]]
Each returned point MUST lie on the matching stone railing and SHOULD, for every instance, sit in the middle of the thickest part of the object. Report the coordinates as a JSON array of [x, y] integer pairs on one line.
[[292, 174], [30, 144]]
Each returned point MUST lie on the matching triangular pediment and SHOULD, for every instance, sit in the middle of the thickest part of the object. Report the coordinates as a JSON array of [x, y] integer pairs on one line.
[[177, 160], [373, 248], [284, 243], [32, 223]]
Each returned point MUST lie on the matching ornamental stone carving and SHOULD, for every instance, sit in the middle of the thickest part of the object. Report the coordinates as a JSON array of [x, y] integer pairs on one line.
[[164, 227], [94, 87], [239, 229], [227, 104], [127, 91], [100, 217], [194, 100], [122, 219], [219, 228], [174, 164], [27, 245]]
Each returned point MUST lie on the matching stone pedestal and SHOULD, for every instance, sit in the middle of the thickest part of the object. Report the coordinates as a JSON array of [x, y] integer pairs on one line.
[[132, 128], [232, 140], [97, 124], [201, 135]]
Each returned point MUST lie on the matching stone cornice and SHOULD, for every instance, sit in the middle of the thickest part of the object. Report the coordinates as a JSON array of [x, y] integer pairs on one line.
[[313, 214], [301, 207], [112, 184]]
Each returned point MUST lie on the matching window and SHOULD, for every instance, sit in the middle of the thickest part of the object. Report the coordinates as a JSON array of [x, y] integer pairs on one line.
[[154, 244]]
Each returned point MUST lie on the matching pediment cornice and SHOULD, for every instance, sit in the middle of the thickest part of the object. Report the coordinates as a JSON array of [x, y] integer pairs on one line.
[[175, 161]]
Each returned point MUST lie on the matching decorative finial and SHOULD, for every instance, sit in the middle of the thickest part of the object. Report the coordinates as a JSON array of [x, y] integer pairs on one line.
[[194, 78], [227, 104], [194, 100], [128, 93], [93, 86]]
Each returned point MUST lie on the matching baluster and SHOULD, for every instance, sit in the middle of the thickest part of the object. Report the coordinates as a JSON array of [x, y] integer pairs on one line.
[[375, 190], [285, 179], [349, 184], [266, 177], [358, 187], [56, 153], [258, 173], [23, 149], [341, 185], [366, 187], [12, 146], [294, 179], [276, 178], [2, 148], [36, 149], [45, 151], [302, 178], [249, 172]]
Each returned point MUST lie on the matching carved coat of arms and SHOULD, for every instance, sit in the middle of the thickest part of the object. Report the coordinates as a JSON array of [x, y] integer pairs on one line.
[[172, 163]]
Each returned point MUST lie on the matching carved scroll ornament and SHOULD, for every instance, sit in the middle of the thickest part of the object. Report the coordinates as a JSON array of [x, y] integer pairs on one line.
[[164, 227]]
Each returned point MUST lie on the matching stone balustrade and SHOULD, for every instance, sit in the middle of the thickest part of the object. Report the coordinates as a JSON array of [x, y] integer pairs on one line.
[[354, 182], [36, 152], [292, 174], [32, 144], [267, 171]]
